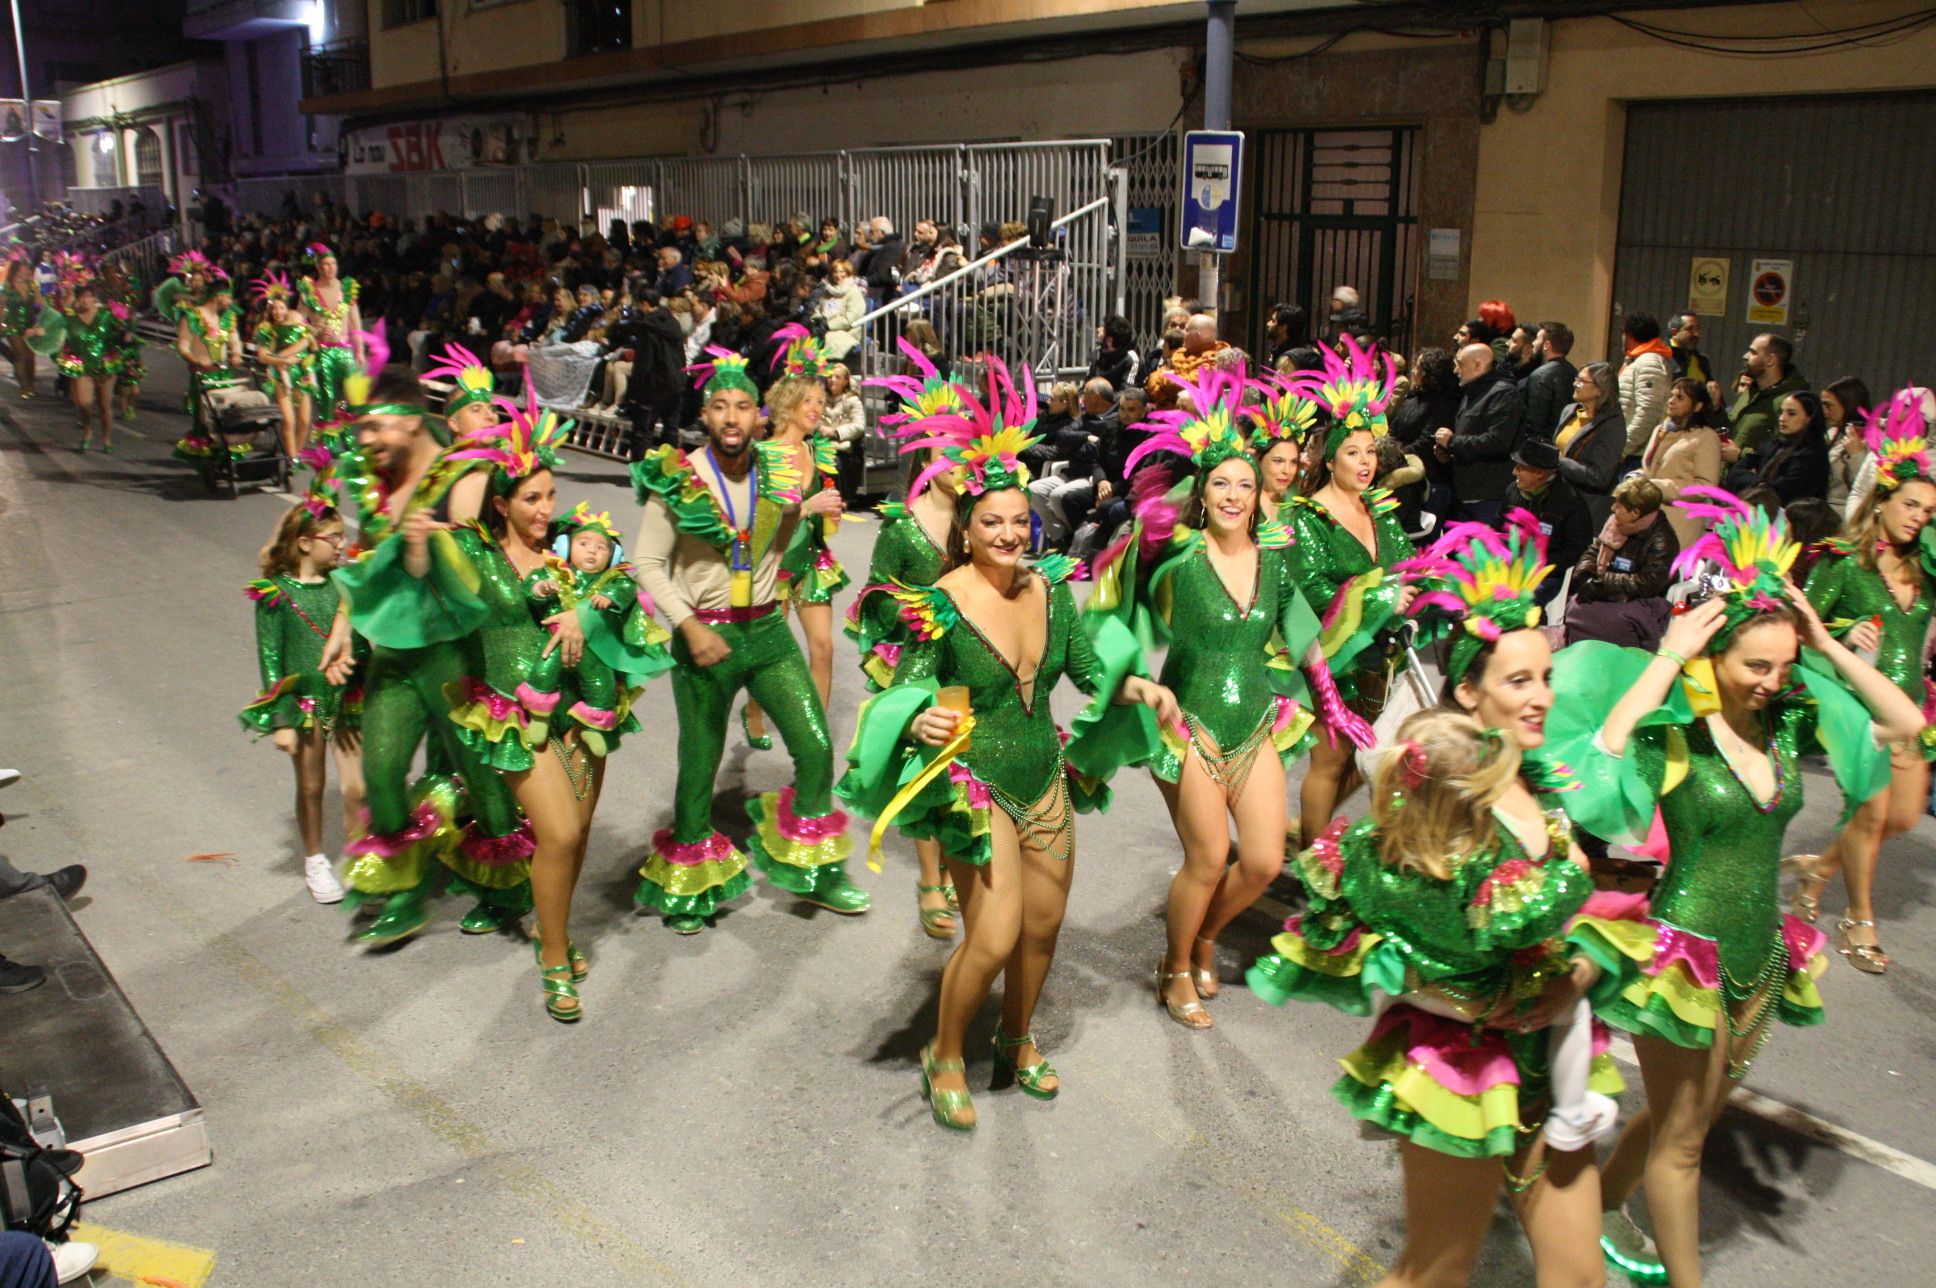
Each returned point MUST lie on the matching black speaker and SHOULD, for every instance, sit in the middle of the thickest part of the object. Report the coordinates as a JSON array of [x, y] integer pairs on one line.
[[1041, 215]]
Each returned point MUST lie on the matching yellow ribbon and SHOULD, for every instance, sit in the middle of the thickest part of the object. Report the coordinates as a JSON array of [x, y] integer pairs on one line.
[[943, 758], [1697, 680]]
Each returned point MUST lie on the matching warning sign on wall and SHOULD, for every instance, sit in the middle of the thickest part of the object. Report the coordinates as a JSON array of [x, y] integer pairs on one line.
[[1769, 286], [1707, 286]]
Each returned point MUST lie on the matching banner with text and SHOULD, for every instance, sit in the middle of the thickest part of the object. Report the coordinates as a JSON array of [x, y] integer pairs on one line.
[[422, 147]]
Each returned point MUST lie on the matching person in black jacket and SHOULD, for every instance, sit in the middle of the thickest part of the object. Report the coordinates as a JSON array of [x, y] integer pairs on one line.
[[658, 373], [1074, 446], [1480, 441], [1116, 358], [1555, 505], [1433, 400], [1591, 437], [1793, 461], [1550, 386]]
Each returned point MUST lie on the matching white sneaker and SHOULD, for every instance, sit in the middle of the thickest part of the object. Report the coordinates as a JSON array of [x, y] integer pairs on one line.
[[8, 777], [72, 1260], [1592, 1120], [320, 876]]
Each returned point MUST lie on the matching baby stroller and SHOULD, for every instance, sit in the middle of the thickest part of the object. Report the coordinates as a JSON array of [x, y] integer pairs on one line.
[[247, 428]]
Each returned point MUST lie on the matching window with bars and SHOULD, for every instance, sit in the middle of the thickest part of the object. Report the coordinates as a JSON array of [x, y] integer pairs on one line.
[[597, 26], [147, 158]]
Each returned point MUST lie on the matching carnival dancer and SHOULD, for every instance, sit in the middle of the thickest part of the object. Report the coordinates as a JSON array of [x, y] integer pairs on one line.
[[91, 356], [1873, 589], [282, 346], [1445, 912], [20, 313], [992, 638], [624, 646], [336, 322], [557, 780], [413, 593], [810, 576], [1202, 572], [910, 550], [708, 554], [301, 711], [1346, 540], [124, 296], [1283, 420], [1709, 730], [209, 340]]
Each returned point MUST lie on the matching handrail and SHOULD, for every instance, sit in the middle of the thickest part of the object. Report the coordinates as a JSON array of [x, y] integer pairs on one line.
[[1002, 252]]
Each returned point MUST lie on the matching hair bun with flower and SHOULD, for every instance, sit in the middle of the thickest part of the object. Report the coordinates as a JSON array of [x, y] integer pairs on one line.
[[984, 439], [800, 353], [273, 286], [1208, 433], [475, 381], [1753, 550], [1356, 389], [1482, 579], [1899, 437]]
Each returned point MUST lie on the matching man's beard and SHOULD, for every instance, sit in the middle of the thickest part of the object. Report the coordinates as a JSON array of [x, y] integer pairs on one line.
[[720, 449]]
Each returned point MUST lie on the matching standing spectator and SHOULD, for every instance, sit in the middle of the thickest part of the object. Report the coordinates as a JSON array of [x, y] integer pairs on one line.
[[1432, 400], [1591, 438], [1684, 451], [1290, 328], [658, 381], [1556, 505], [1346, 314], [1795, 461], [845, 422], [1844, 405], [1522, 353], [1620, 583], [1550, 387], [1116, 358], [1644, 378], [841, 310], [1200, 345], [1499, 320], [1479, 443], [1685, 342], [1769, 377]]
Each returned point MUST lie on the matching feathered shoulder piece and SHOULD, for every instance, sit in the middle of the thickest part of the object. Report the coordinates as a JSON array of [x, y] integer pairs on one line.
[[927, 610], [266, 592], [1056, 568], [1482, 579], [984, 438]]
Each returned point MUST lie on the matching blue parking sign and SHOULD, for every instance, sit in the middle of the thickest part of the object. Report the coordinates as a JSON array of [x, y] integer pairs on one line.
[[1212, 180]]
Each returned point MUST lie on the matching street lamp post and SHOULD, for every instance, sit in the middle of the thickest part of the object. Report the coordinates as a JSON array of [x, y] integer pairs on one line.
[[27, 104]]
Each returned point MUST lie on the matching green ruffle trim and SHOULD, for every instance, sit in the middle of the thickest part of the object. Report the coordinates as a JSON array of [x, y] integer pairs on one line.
[[370, 874], [679, 891], [492, 877], [665, 473], [636, 648], [391, 609], [1107, 736]]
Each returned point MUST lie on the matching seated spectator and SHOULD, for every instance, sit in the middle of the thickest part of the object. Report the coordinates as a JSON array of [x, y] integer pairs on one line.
[[1844, 405], [1116, 359], [1685, 450], [840, 311], [1111, 508], [1620, 584], [1200, 345], [845, 422], [1794, 461], [1059, 411], [1591, 438], [1541, 490], [1075, 448]]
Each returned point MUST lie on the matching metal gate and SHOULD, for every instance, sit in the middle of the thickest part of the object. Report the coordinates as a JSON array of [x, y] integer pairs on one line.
[[1336, 208], [1846, 197]]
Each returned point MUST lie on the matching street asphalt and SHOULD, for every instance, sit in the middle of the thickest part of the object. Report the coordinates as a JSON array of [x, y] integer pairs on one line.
[[742, 1107]]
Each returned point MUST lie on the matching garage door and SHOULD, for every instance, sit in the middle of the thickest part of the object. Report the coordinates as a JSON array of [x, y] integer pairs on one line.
[[1842, 188]]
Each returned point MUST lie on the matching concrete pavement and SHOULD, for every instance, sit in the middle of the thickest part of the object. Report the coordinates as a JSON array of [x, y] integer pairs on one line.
[[740, 1107]]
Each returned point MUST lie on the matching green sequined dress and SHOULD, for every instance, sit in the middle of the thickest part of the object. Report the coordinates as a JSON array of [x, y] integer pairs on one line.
[[809, 573], [19, 310], [298, 376], [1493, 930], [904, 555], [1845, 593], [333, 360], [1014, 761], [292, 620], [485, 704], [92, 348], [1354, 592]]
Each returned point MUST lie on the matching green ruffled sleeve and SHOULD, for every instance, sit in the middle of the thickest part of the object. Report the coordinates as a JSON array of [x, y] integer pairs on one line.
[[1328, 953], [1107, 736], [1835, 720], [621, 637], [391, 609], [1616, 795]]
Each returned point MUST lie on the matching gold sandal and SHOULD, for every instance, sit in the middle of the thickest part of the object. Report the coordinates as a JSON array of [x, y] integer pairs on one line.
[[1867, 958], [1205, 977], [1186, 1013], [1807, 906]]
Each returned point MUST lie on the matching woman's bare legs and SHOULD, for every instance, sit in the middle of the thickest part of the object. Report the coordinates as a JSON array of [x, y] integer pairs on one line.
[[817, 623], [1561, 1216], [81, 392], [286, 408], [932, 900], [23, 366], [1877, 821], [545, 794], [1686, 1091], [1330, 778], [1200, 813], [1045, 898], [991, 909], [1262, 812], [1448, 1209]]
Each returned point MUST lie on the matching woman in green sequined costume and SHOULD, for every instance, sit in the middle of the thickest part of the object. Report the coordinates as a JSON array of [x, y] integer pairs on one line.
[[20, 306], [335, 322], [91, 358], [999, 795], [1874, 590], [810, 575], [208, 340], [1346, 540], [1217, 590], [1708, 731], [300, 710], [283, 346]]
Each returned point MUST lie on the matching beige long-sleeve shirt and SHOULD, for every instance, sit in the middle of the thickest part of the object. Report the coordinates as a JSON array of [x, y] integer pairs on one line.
[[685, 574], [1678, 459]]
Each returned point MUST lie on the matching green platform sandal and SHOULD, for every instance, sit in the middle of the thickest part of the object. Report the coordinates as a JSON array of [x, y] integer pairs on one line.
[[761, 742], [558, 989], [946, 1106], [581, 965], [1030, 1077], [936, 923]]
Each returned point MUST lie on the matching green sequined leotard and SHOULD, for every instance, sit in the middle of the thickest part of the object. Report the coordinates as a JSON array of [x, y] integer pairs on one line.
[[334, 361], [92, 348], [1844, 593], [298, 376], [1344, 584], [904, 553], [292, 620], [19, 310], [485, 706], [811, 573]]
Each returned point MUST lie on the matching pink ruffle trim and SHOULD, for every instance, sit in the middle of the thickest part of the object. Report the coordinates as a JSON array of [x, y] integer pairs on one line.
[[593, 717], [536, 702], [978, 797], [1456, 1058], [497, 851], [499, 707], [809, 831], [690, 854], [1286, 708], [1804, 941], [888, 653], [423, 824]]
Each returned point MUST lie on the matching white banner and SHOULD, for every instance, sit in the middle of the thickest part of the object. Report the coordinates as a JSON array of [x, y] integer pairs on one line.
[[425, 147]]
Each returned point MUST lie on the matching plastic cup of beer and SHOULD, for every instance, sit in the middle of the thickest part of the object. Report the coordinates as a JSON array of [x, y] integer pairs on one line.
[[954, 697]]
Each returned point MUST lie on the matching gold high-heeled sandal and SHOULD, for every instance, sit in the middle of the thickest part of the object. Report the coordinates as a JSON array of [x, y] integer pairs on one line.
[[1807, 906], [1185, 1013], [1205, 977], [1867, 958]]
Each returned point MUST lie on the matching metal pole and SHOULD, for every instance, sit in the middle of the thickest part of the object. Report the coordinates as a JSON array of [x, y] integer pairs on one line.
[[27, 102], [1119, 205], [1218, 44]]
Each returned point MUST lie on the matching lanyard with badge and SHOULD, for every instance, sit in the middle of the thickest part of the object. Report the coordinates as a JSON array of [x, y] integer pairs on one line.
[[742, 556]]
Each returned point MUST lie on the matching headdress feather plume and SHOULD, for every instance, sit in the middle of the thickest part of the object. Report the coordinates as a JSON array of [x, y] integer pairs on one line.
[[524, 443], [799, 354], [727, 370], [1899, 437], [923, 393], [1355, 389], [984, 438], [474, 380], [272, 285], [1483, 579], [1208, 434], [1753, 550]]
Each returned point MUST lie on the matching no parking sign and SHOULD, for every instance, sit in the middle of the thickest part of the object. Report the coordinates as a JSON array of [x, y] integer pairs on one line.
[[1768, 289]]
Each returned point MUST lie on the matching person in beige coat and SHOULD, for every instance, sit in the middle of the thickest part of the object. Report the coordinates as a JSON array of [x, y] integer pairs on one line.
[[1683, 450]]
